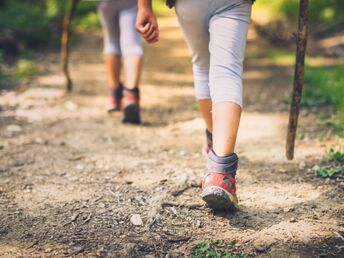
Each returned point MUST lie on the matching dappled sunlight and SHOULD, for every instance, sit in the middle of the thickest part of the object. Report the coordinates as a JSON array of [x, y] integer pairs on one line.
[[180, 53], [254, 74], [53, 193], [276, 195], [333, 41], [51, 80], [301, 232], [173, 77], [171, 34], [73, 175]]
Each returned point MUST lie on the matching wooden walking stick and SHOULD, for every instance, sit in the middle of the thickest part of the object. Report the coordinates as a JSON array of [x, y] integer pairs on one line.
[[298, 78], [67, 20]]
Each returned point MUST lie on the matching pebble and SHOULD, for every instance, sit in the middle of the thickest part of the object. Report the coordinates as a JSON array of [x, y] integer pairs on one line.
[[302, 165], [79, 167], [71, 106], [292, 220], [288, 209], [136, 220], [13, 128]]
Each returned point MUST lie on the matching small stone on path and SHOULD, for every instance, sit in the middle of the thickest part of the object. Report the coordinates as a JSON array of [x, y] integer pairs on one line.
[[13, 128], [136, 220]]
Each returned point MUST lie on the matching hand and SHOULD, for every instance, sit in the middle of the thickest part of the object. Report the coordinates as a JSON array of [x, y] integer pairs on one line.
[[147, 25]]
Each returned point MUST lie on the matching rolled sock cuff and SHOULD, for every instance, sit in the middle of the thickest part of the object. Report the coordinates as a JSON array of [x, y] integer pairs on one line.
[[223, 165], [134, 92], [117, 93]]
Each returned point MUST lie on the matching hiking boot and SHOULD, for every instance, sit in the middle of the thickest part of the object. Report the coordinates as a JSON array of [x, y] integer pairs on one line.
[[131, 106], [116, 99], [218, 183]]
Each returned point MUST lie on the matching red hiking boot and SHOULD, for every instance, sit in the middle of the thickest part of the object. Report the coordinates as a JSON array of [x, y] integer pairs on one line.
[[116, 96], [131, 106], [218, 183]]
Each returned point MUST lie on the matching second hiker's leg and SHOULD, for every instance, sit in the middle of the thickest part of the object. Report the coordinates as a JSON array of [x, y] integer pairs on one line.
[[113, 68], [132, 52], [131, 47], [108, 13]]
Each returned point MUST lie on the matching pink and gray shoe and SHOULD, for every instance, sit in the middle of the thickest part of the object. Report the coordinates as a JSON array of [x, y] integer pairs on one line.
[[131, 106], [116, 96], [218, 183]]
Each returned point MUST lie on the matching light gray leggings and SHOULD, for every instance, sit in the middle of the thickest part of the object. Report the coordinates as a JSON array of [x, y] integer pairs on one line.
[[118, 19], [216, 32]]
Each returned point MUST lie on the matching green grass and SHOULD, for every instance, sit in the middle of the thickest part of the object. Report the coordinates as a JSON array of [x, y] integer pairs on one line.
[[25, 69], [324, 87], [321, 12], [216, 249], [336, 155], [335, 166], [327, 171]]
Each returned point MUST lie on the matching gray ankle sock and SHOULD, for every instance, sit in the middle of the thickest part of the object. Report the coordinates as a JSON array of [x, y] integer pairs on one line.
[[223, 165], [209, 138]]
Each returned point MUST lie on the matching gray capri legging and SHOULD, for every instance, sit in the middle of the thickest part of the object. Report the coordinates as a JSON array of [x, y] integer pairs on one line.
[[118, 18], [216, 32]]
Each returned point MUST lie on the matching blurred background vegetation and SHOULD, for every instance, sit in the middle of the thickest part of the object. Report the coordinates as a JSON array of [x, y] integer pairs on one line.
[[35, 25]]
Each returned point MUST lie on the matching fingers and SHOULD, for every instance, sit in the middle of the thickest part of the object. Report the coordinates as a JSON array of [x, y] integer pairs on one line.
[[153, 37], [143, 29], [147, 26], [149, 32]]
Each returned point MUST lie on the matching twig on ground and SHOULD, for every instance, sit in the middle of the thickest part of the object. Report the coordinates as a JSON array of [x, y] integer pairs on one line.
[[188, 206], [114, 194], [339, 235], [180, 190], [33, 244], [87, 219], [179, 239], [156, 207]]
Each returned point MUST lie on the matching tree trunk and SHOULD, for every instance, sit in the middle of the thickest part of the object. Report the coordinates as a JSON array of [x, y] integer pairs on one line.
[[67, 20], [298, 78]]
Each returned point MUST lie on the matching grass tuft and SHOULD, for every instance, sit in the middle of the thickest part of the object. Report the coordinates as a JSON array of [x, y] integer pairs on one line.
[[217, 249], [335, 166]]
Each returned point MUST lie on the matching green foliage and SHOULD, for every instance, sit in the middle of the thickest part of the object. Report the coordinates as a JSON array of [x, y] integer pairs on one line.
[[335, 168], [216, 249], [326, 12], [327, 172], [336, 155], [38, 23], [324, 87], [25, 69]]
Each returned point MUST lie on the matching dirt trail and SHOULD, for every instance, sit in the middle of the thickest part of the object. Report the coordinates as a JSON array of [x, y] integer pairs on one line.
[[71, 176]]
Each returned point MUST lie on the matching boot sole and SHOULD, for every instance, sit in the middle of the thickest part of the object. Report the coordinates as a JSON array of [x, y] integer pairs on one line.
[[219, 199], [131, 115]]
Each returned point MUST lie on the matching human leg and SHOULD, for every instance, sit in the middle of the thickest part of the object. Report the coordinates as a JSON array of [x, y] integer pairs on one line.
[[194, 26], [131, 47], [132, 52], [108, 13], [228, 30]]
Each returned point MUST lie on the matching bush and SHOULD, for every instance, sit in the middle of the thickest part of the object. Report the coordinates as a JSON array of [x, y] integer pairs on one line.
[[25, 69], [38, 23], [324, 86], [326, 12]]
